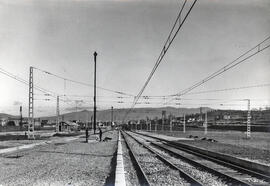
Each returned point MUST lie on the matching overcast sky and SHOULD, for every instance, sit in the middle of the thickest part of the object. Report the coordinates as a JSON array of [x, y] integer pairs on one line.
[[60, 36]]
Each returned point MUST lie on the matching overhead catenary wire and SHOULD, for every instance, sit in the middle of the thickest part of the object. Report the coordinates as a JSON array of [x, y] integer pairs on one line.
[[17, 78], [259, 48], [81, 83], [172, 34], [210, 91], [36, 87], [229, 89]]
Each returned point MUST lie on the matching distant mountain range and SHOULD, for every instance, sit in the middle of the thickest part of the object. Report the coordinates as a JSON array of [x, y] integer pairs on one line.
[[118, 114], [3, 115], [135, 114]]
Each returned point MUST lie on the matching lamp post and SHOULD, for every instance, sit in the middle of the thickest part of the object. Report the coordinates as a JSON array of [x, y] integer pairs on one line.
[[95, 108]]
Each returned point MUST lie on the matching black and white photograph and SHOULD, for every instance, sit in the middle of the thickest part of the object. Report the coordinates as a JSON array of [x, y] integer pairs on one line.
[[134, 92]]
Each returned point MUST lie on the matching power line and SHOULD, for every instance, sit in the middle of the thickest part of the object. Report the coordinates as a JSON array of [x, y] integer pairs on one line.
[[228, 89], [174, 31], [232, 64], [24, 81], [17, 78], [206, 91], [82, 83]]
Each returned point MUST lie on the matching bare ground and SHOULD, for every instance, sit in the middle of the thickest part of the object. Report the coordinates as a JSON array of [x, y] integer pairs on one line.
[[73, 163]]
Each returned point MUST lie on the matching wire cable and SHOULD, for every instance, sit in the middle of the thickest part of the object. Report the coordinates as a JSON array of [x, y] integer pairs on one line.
[[81, 83], [229, 66], [174, 31]]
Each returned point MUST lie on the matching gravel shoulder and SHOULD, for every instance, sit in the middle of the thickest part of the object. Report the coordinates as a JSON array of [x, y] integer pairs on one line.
[[233, 143], [248, 153], [72, 163]]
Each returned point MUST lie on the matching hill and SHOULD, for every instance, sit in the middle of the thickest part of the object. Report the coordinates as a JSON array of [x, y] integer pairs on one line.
[[136, 113], [3, 115]]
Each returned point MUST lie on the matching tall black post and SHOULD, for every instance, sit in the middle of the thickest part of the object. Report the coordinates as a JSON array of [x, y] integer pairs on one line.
[[95, 108]]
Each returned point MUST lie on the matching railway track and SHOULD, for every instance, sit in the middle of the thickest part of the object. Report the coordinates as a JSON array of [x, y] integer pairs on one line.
[[152, 168], [231, 174]]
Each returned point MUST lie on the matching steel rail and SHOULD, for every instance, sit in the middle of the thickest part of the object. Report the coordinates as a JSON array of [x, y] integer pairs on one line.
[[223, 162], [211, 158], [187, 177], [233, 180], [143, 180]]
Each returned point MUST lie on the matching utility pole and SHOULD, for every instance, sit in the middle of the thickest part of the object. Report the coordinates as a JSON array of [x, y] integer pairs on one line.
[[156, 121], [205, 123], [184, 127], [95, 107], [31, 121], [57, 114], [200, 113], [76, 106], [248, 119], [86, 129], [87, 126], [150, 125], [163, 119], [146, 124], [111, 116], [20, 117], [92, 124], [171, 124]]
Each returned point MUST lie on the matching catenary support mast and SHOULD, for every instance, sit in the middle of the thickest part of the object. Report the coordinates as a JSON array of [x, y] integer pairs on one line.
[[31, 121]]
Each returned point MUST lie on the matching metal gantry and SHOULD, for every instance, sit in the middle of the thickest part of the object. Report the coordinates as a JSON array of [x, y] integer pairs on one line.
[[31, 122]]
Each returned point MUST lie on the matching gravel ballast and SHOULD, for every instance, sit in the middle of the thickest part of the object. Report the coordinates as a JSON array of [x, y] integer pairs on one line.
[[157, 172], [131, 175], [72, 163], [205, 177]]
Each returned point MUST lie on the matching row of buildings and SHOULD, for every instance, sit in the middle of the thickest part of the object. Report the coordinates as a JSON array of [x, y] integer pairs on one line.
[[213, 117]]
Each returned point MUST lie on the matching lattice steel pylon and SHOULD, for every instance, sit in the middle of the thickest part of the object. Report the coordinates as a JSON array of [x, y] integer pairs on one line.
[[248, 119], [31, 122]]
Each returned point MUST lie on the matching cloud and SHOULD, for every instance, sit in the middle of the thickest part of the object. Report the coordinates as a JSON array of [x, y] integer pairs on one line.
[[16, 103]]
